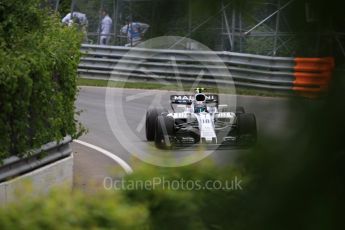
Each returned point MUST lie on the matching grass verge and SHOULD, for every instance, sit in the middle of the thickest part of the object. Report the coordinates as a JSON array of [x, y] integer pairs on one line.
[[173, 87]]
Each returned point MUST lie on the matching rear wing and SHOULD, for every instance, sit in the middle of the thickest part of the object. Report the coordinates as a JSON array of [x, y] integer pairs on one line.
[[187, 99]]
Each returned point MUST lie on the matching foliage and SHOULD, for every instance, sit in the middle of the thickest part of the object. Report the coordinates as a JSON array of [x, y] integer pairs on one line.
[[63, 210], [38, 59], [181, 208], [161, 207], [64, 6], [299, 180]]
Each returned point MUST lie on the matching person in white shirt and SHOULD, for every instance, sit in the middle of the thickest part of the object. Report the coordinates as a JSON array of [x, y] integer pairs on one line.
[[70, 18], [105, 28], [134, 32], [78, 19]]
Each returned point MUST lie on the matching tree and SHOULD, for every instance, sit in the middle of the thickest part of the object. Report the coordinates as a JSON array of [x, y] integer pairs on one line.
[[39, 58]]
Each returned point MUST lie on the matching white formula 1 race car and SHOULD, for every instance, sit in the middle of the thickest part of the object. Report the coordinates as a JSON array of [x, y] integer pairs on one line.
[[200, 120]]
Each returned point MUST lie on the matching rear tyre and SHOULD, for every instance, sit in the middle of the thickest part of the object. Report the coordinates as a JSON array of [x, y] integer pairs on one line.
[[164, 132], [151, 117], [246, 129]]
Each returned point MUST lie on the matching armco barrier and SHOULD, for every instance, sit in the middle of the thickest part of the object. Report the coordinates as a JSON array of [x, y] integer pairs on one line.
[[45, 168], [277, 74]]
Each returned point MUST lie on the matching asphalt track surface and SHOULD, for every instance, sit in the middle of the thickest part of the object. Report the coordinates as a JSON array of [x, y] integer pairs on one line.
[[272, 114]]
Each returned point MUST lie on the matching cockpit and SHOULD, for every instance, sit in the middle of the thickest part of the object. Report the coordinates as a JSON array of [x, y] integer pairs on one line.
[[200, 103]]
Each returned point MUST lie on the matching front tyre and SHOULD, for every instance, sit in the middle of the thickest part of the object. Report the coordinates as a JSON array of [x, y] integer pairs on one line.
[[151, 117], [164, 132], [247, 129]]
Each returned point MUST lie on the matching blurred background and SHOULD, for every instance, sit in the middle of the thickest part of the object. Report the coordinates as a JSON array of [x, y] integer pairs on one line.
[[267, 27]]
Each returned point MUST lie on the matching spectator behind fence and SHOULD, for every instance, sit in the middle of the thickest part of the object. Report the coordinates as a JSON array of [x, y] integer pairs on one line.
[[105, 28], [71, 18], [134, 32], [78, 19]]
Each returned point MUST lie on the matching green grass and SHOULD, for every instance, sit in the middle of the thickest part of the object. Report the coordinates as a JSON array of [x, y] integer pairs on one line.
[[173, 87], [129, 85]]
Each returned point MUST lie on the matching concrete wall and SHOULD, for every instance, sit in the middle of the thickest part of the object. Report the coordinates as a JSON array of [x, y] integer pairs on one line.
[[39, 181]]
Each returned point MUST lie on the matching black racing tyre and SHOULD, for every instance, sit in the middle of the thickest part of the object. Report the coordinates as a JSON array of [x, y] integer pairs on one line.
[[234, 109], [246, 128], [164, 130], [151, 117]]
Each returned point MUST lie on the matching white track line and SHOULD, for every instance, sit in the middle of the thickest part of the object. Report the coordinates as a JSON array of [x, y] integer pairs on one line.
[[118, 160]]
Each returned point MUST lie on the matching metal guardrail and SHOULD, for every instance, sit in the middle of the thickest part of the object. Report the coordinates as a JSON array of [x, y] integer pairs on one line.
[[282, 74], [48, 153]]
